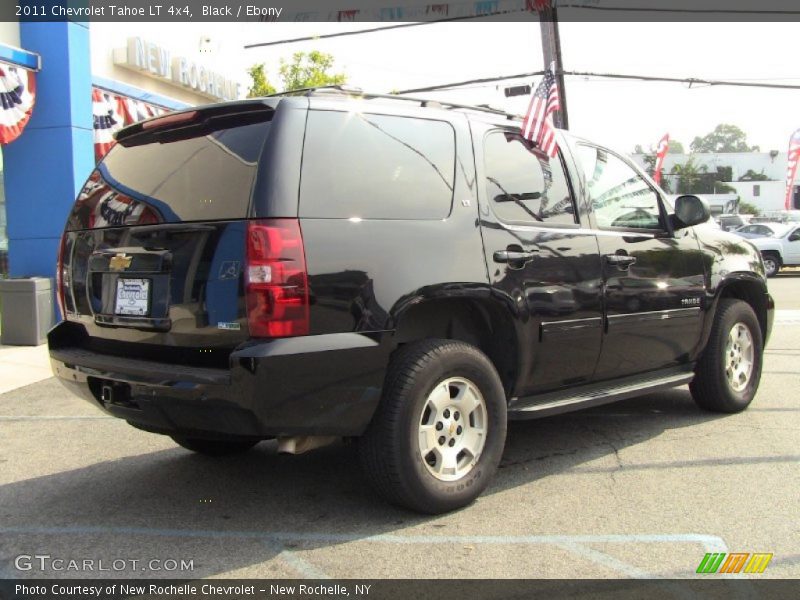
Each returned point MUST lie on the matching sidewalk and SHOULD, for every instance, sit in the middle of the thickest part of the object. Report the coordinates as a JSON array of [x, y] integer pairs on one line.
[[23, 365]]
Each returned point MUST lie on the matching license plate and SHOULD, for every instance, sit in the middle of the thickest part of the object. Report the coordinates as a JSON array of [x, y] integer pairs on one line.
[[133, 297]]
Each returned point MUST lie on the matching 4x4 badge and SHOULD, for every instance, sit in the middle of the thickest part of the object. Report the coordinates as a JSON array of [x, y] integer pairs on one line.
[[120, 262]]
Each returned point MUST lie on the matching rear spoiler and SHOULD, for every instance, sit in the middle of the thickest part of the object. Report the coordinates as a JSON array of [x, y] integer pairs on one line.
[[197, 116]]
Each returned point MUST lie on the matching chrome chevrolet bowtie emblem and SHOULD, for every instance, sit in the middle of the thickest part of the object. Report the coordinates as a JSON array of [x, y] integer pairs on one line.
[[120, 262]]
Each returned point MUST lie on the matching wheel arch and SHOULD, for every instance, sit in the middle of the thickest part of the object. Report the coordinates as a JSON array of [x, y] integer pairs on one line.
[[480, 322], [749, 288]]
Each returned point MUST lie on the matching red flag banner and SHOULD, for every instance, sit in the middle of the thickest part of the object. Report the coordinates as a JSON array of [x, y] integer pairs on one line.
[[538, 123], [661, 153], [791, 167]]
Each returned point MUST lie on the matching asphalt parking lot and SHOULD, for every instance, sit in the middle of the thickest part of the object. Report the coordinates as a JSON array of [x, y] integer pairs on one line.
[[641, 488]]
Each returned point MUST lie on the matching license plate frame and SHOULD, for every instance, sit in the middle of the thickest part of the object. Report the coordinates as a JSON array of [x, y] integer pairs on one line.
[[133, 297]]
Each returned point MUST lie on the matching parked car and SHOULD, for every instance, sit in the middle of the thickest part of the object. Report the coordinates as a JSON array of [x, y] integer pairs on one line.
[[756, 230], [405, 274], [780, 250], [730, 222]]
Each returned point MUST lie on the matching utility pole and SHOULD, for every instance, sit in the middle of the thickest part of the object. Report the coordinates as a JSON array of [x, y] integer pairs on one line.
[[551, 49]]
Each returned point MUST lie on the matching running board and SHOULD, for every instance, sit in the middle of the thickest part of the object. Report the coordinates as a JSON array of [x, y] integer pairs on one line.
[[586, 396]]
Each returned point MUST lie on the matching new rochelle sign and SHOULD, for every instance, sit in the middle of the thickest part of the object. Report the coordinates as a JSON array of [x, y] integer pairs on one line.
[[156, 61]]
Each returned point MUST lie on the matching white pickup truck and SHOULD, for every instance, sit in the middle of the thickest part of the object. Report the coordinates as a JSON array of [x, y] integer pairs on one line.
[[781, 249]]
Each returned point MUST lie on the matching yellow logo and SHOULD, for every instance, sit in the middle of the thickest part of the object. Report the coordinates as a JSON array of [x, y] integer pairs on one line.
[[120, 262]]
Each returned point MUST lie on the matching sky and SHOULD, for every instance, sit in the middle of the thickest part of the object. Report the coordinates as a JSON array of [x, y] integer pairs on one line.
[[618, 113]]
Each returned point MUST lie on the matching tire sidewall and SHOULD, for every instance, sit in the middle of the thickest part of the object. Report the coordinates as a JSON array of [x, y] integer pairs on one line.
[[740, 314], [769, 258], [446, 495]]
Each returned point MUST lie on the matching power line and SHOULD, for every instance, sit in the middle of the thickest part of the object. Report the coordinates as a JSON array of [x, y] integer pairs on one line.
[[309, 38], [690, 80]]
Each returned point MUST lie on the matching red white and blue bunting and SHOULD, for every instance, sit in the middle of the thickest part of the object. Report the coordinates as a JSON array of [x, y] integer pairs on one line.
[[111, 113], [17, 97]]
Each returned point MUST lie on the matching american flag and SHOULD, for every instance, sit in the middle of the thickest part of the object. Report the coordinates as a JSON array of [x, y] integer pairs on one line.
[[538, 123]]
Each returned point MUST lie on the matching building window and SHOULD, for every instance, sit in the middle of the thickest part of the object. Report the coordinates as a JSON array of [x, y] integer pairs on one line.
[[756, 191]]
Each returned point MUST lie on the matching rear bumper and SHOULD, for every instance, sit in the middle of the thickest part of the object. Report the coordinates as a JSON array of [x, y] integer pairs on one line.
[[314, 385]]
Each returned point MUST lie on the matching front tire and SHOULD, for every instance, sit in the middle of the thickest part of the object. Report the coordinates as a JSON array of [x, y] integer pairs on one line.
[[438, 434], [727, 376], [213, 447], [772, 264]]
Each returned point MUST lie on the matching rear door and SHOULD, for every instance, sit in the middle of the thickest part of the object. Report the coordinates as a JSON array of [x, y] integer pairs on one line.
[[154, 247], [542, 263], [653, 281]]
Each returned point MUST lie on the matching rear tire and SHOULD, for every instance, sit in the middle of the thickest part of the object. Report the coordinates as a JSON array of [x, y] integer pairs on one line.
[[772, 264], [727, 376], [213, 447], [438, 434]]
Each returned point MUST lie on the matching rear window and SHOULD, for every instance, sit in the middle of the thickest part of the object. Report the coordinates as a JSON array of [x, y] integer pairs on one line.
[[376, 167], [200, 173]]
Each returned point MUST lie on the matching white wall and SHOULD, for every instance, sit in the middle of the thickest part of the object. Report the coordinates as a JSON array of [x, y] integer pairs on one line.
[[181, 40], [772, 193], [9, 33]]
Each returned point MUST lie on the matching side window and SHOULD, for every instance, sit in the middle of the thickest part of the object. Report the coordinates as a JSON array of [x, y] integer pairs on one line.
[[525, 185], [618, 195], [794, 236], [376, 167]]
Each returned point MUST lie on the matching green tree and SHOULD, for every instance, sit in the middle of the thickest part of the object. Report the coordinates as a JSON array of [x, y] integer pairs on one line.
[[675, 147], [304, 70], [724, 138], [309, 69], [690, 177], [745, 208], [753, 176], [260, 84]]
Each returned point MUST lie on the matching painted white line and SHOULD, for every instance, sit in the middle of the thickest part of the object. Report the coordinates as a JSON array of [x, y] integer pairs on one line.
[[305, 568], [787, 317], [605, 560], [56, 418], [710, 542]]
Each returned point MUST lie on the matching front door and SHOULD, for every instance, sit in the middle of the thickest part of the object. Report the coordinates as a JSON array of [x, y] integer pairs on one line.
[[793, 248], [543, 265], [653, 279]]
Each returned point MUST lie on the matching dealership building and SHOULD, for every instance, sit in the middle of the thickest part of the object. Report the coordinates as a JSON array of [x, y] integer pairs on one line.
[[66, 87]]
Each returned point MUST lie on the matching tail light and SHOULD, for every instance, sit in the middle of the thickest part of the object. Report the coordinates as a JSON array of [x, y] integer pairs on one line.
[[276, 284], [61, 277]]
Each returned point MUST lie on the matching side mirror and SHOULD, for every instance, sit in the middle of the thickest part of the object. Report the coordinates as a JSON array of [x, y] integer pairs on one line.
[[691, 210]]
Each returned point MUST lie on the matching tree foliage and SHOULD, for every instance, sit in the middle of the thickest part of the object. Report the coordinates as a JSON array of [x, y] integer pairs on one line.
[[309, 69], [724, 138], [753, 176], [303, 70], [690, 177], [675, 147], [260, 84]]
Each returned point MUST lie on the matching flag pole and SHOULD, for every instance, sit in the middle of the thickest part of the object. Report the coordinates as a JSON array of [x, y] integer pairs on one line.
[[551, 49]]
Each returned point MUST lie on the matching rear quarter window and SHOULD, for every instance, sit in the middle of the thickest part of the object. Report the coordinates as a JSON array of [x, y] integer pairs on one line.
[[367, 166]]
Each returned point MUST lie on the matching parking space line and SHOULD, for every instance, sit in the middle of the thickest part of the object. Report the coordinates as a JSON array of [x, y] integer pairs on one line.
[[57, 418], [711, 543], [305, 568], [603, 559]]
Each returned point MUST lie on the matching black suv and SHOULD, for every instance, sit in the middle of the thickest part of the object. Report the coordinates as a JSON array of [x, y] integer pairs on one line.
[[402, 273]]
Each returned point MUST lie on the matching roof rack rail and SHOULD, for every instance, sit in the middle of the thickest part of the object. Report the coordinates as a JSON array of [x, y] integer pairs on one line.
[[423, 102]]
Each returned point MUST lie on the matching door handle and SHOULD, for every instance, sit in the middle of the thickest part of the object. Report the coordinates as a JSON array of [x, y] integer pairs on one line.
[[621, 261], [514, 256]]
